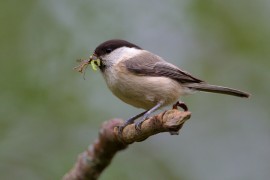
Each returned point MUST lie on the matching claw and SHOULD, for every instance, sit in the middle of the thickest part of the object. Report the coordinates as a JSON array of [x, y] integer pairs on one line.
[[120, 131], [129, 121], [181, 105], [138, 125]]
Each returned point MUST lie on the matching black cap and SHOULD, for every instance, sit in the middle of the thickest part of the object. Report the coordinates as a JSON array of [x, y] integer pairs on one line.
[[110, 45]]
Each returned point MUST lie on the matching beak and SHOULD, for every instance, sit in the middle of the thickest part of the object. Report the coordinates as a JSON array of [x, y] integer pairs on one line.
[[93, 57]]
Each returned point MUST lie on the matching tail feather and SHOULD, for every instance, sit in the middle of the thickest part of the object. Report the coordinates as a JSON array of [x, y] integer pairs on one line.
[[218, 89]]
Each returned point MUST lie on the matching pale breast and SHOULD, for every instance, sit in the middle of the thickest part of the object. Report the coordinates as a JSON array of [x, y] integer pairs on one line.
[[142, 91]]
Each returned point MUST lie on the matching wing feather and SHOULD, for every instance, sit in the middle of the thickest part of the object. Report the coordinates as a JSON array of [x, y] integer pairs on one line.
[[156, 66]]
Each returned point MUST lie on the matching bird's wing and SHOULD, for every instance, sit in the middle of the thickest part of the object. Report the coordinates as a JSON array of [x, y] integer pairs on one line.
[[156, 66]]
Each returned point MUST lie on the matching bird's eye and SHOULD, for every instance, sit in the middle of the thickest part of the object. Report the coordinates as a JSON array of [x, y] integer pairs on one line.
[[108, 50]]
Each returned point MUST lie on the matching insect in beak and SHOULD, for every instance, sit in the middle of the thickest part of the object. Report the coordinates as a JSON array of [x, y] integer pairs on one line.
[[93, 60]]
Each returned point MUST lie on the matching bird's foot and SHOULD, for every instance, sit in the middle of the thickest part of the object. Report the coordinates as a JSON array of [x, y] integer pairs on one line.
[[181, 105], [121, 128], [138, 125], [128, 122]]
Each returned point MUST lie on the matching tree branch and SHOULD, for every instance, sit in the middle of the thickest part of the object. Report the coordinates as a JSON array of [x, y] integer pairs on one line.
[[98, 156]]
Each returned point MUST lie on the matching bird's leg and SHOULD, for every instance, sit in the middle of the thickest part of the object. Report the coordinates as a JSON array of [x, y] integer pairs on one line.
[[129, 121], [145, 116], [181, 104]]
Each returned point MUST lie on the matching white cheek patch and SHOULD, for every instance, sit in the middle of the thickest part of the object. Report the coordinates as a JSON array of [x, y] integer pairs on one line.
[[120, 54]]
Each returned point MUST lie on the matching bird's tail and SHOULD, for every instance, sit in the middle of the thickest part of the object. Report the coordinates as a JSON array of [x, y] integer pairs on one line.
[[217, 89]]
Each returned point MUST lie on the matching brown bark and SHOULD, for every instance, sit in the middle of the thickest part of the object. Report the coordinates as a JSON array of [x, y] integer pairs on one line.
[[98, 156]]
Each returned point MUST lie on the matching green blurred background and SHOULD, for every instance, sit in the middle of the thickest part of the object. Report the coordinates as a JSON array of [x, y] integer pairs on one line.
[[49, 113]]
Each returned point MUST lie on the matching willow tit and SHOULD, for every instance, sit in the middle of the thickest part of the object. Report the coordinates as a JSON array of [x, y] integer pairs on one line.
[[145, 80]]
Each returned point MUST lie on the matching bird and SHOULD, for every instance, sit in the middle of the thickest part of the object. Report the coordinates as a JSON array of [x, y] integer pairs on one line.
[[145, 80]]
